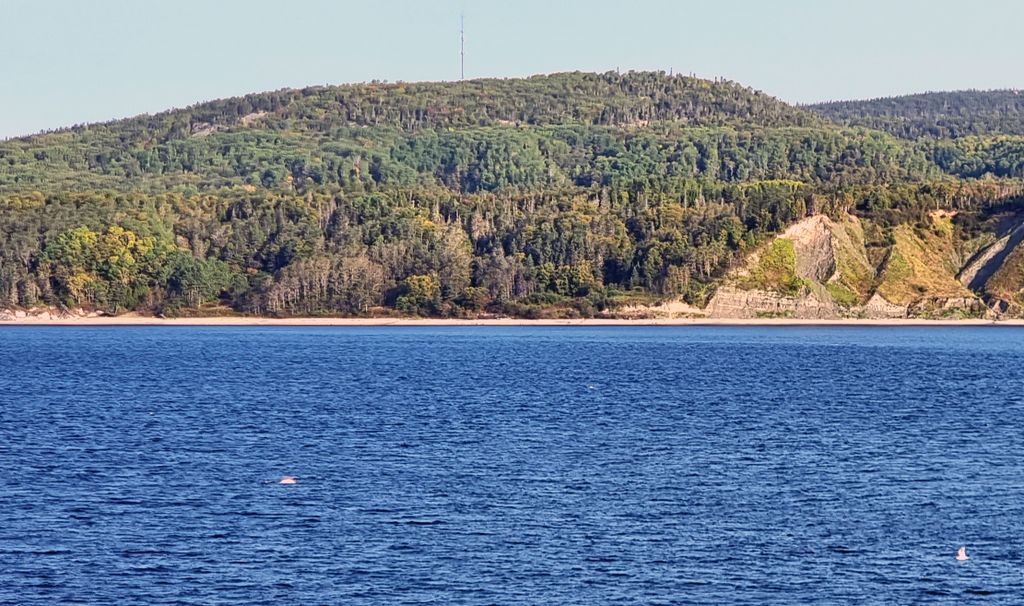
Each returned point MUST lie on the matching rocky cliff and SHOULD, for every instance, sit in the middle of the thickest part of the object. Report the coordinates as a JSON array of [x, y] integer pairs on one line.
[[821, 268]]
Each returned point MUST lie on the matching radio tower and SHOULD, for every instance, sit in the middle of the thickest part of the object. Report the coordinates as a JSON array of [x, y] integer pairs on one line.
[[462, 47]]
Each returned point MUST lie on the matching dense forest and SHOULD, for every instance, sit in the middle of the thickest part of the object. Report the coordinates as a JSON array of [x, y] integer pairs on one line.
[[940, 115], [569, 194]]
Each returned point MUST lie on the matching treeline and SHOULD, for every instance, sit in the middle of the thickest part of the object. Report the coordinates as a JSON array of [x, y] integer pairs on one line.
[[609, 99], [467, 160], [423, 251], [979, 157]]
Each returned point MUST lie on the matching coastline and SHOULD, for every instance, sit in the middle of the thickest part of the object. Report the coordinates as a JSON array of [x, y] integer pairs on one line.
[[140, 320]]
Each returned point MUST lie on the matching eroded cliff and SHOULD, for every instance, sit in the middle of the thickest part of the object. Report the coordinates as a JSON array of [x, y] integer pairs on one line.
[[821, 268]]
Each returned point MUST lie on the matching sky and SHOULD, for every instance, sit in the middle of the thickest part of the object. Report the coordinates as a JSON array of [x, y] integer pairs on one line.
[[66, 62]]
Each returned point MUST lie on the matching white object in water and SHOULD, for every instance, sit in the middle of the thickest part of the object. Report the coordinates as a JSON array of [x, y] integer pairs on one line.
[[961, 554], [288, 480]]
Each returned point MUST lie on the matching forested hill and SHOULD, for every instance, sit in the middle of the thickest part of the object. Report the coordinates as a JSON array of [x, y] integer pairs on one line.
[[940, 115], [548, 128], [568, 194], [609, 99]]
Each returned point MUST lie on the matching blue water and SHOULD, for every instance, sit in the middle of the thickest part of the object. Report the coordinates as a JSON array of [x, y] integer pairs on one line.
[[511, 465]]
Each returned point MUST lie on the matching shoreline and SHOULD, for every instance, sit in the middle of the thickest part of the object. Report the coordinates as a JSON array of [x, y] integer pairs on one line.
[[139, 320]]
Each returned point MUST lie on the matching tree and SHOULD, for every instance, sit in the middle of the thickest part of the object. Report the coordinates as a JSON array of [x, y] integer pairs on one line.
[[419, 295]]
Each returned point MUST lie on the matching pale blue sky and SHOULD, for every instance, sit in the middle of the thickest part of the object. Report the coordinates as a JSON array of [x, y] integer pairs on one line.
[[64, 62]]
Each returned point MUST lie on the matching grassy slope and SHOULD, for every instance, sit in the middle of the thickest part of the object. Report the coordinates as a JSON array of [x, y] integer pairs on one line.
[[774, 269], [921, 264], [1007, 283], [854, 273]]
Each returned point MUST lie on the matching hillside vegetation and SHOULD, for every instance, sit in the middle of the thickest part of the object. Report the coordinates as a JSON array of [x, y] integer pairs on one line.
[[941, 115], [569, 194]]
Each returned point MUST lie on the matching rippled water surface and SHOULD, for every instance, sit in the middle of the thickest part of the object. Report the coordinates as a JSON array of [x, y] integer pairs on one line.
[[511, 465]]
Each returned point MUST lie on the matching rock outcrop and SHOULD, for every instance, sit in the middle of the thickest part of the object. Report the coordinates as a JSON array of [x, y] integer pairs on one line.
[[996, 272], [732, 302], [819, 268], [45, 313], [813, 244], [877, 308]]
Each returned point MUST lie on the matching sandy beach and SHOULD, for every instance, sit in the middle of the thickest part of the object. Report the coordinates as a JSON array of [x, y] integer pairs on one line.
[[140, 320]]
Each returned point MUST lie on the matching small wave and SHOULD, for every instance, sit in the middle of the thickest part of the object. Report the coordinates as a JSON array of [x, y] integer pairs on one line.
[[36, 552], [136, 552], [937, 592], [156, 568], [979, 592]]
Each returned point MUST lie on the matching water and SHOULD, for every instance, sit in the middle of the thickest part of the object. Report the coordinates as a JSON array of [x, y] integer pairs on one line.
[[511, 465]]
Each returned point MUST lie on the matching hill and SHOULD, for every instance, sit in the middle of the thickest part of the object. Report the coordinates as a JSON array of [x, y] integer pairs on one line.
[[569, 194], [969, 134], [385, 133], [938, 115]]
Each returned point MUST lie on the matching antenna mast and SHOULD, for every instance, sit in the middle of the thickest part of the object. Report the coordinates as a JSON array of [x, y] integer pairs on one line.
[[462, 46]]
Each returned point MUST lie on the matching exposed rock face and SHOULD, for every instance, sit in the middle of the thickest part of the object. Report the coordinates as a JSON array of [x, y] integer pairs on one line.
[[948, 306], [668, 310], [877, 308], [824, 253], [44, 313], [1002, 307], [812, 241], [205, 129], [980, 268], [827, 275], [997, 271], [731, 302], [248, 119]]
